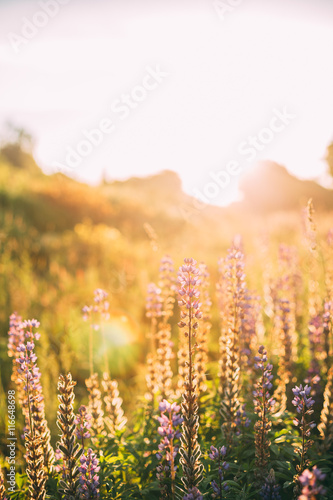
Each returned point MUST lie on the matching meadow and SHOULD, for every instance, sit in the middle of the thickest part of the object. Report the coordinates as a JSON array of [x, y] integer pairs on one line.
[[159, 359]]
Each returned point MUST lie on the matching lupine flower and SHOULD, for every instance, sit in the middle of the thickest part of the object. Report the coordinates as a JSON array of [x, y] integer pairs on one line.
[[308, 481], [40, 454], [201, 357], [313, 285], [153, 311], [71, 450], [263, 406], [16, 337], [193, 494], [283, 326], [327, 331], [169, 421], [217, 455], [89, 480], [316, 329], [233, 268], [95, 406], [223, 302], [83, 424], [115, 419], [304, 403], [15, 334], [59, 465], [270, 490], [242, 421], [190, 314], [288, 286], [248, 332], [326, 417], [167, 286]]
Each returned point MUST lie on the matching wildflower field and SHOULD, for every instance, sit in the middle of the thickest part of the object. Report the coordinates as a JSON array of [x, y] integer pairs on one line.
[[234, 399]]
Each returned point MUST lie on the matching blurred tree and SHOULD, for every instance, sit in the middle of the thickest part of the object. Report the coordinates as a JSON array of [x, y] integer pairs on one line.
[[16, 148]]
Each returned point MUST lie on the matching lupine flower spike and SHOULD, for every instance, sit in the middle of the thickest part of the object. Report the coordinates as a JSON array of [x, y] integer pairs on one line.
[[164, 347], [193, 494], [219, 486], [15, 338], [169, 421], [89, 480], [39, 454], [310, 488], [270, 490], [68, 446], [201, 358], [95, 406], [83, 425], [263, 406], [304, 403], [328, 333], [114, 417], [283, 326], [190, 313], [235, 289], [326, 417], [154, 312]]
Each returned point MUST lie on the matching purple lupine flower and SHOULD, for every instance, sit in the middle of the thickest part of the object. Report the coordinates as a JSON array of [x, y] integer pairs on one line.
[[217, 455], [327, 328], [30, 323], [309, 485], [59, 461], [100, 295], [102, 307], [86, 311], [26, 365], [270, 490], [263, 406], [15, 334], [193, 494], [83, 424], [89, 480], [189, 293], [316, 345], [242, 420], [304, 403], [169, 421], [154, 301]]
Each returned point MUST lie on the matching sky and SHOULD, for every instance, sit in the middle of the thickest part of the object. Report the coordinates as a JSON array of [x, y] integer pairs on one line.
[[206, 88]]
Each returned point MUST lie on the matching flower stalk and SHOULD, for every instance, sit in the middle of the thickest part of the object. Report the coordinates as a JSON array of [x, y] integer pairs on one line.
[[190, 312]]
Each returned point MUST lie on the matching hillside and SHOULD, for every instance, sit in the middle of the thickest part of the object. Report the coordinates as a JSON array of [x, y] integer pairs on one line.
[[270, 187]]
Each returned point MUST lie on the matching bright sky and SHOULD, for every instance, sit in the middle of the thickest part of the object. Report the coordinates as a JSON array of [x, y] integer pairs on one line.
[[181, 85]]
